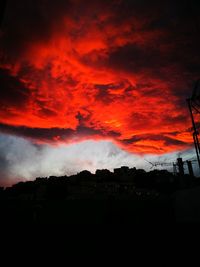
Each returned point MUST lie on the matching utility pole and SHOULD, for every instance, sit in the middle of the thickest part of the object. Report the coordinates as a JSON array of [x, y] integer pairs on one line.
[[180, 166], [174, 169], [190, 169], [194, 107]]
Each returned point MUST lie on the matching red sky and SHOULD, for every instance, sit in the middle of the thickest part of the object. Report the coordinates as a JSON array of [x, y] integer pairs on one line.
[[74, 71]]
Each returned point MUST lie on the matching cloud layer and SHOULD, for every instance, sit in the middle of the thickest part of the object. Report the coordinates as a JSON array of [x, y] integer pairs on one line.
[[22, 160], [117, 71]]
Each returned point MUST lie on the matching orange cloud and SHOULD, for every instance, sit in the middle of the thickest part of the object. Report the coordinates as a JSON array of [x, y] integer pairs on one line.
[[97, 76]]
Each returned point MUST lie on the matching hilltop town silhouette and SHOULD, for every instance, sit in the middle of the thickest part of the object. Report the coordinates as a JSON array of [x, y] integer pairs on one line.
[[126, 195]]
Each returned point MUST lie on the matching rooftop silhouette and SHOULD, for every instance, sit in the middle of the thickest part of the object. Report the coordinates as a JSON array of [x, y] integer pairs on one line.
[[124, 195]]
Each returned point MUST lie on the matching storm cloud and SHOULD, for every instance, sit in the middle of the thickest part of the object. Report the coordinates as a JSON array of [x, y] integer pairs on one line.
[[115, 71]]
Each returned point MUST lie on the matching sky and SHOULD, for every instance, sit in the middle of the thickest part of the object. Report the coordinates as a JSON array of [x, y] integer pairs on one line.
[[95, 84]]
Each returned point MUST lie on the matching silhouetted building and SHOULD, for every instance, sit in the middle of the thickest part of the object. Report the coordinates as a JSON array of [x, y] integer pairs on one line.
[[103, 173], [190, 168], [180, 166], [121, 171]]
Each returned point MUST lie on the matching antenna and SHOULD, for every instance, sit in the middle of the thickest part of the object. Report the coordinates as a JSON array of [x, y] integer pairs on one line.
[[150, 163], [159, 163], [179, 164]]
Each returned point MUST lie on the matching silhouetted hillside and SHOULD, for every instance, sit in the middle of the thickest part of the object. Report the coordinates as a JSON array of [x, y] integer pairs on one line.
[[125, 195]]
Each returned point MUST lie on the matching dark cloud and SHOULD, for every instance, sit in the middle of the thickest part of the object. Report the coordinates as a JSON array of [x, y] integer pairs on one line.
[[82, 70], [28, 22], [37, 133], [146, 50], [167, 140], [134, 58], [2, 10], [13, 91], [103, 92], [45, 112], [55, 134]]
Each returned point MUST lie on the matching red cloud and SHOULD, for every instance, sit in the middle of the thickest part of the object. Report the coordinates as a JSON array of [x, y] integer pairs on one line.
[[96, 75]]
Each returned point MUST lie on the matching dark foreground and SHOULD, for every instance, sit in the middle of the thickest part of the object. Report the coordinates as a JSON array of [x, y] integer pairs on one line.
[[87, 211], [127, 196]]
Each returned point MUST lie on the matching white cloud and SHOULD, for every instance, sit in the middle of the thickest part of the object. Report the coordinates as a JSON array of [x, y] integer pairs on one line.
[[23, 160]]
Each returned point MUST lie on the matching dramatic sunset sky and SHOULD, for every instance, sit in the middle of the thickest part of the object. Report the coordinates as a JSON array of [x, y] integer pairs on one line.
[[87, 84]]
